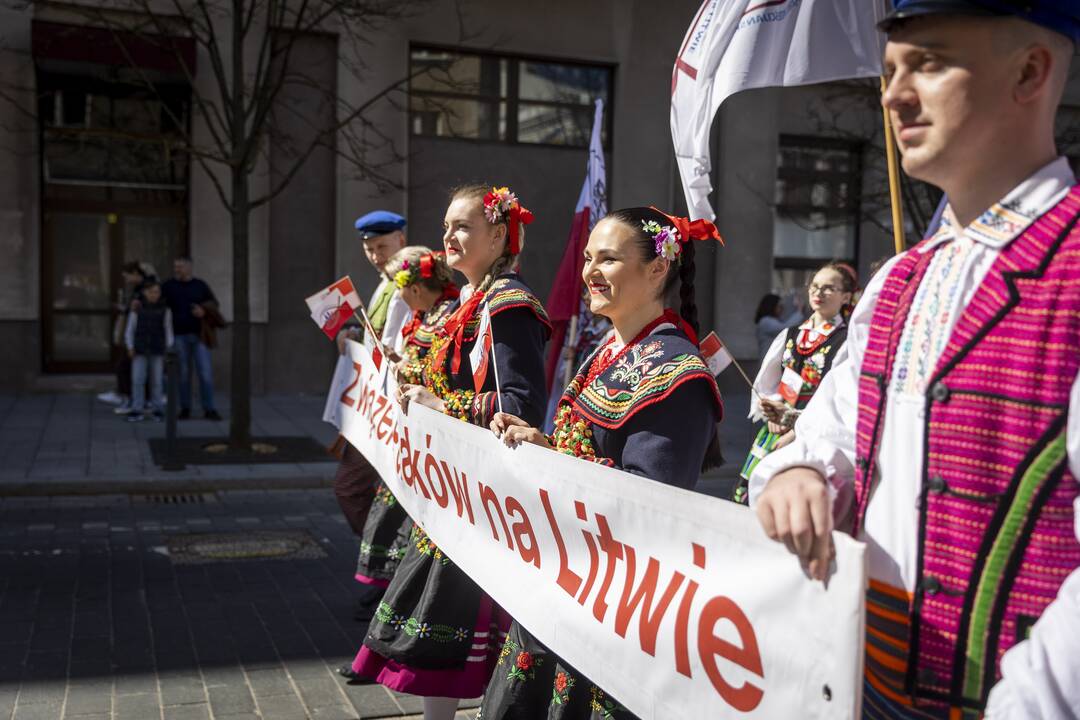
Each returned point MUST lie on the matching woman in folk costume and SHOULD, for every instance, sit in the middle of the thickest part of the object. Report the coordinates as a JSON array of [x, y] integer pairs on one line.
[[436, 633], [644, 402], [796, 362], [426, 284]]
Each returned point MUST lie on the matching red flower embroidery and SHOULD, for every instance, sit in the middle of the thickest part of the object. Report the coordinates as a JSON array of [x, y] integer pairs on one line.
[[524, 660], [560, 682]]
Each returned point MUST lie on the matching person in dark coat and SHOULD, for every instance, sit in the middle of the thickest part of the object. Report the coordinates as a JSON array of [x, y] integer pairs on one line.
[[483, 237], [663, 426], [189, 298]]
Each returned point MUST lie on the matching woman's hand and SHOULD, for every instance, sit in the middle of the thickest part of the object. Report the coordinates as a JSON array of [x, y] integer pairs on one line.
[[408, 394], [514, 431], [777, 428], [773, 410], [390, 355], [785, 440]]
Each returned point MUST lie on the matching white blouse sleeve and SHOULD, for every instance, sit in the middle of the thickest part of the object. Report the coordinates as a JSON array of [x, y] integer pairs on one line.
[[767, 381], [1040, 677]]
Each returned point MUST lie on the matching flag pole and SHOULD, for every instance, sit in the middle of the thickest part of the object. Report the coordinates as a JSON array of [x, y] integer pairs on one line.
[[894, 177], [495, 365]]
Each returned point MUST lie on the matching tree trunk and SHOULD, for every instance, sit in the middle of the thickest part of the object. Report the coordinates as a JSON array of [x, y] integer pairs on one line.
[[240, 371], [240, 374]]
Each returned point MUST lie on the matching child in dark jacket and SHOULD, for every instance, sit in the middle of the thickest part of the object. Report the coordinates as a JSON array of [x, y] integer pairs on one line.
[[148, 336]]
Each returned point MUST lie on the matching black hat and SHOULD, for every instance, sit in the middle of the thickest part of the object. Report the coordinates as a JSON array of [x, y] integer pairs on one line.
[[1062, 16]]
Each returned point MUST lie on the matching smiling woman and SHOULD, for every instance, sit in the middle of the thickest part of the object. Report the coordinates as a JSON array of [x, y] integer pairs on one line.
[[643, 402]]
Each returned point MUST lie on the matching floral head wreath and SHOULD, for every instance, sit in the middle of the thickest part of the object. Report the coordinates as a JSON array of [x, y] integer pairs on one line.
[[669, 239], [409, 273], [501, 203]]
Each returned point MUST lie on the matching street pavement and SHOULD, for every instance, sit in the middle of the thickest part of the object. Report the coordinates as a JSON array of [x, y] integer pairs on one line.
[[100, 619], [217, 592]]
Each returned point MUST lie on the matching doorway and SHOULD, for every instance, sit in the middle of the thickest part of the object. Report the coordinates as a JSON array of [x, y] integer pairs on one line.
[[85, 249]]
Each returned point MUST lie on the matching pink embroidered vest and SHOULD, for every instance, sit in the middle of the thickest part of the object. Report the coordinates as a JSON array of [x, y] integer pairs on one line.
[[996, 537]]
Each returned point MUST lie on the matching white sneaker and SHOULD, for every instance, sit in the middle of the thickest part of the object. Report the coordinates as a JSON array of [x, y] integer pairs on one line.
[[111, 397], [123, 408]]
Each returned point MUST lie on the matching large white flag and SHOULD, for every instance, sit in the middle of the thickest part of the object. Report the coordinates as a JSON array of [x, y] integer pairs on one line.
[[735, 45]]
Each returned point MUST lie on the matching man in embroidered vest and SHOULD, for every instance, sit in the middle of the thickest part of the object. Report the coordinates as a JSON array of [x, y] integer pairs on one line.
[[382, 233], [950, 440]]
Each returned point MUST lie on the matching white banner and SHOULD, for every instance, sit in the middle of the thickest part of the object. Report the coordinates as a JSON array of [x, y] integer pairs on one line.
[[674, 602], [735, 45]]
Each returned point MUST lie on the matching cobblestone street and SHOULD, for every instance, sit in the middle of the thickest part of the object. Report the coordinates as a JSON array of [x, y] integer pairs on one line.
[[109, 610]]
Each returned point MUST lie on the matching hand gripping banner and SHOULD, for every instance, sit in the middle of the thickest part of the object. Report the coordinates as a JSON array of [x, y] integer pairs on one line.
[[673, 602]]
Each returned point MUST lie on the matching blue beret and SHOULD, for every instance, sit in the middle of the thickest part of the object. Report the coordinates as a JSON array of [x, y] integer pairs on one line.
[[378, 222], [1062, 16]]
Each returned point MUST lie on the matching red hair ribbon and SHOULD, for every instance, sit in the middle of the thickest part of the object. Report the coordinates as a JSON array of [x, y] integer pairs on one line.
[[427, 265], [454, 326], [695, 230], [518, 215]]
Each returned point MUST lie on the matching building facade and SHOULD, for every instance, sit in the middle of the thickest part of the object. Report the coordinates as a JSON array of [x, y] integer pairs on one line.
[[482, 92]]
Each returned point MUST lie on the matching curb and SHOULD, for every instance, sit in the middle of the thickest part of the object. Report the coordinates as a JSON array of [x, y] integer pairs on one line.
[[48, 487]]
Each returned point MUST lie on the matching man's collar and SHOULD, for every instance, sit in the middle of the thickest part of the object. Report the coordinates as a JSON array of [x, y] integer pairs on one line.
[[1008, 218]]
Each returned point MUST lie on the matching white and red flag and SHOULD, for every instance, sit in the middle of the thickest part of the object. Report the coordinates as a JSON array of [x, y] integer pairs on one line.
[[332, 306], [735, 45], [565, 301], [480, 355], [715, 354]]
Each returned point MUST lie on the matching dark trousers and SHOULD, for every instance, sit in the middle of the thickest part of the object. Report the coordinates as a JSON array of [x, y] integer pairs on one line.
[[354, 486], [123, 375]]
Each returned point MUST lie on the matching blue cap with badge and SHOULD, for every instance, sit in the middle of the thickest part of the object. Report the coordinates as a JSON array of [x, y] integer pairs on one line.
[[378, 222], [1062, 16]]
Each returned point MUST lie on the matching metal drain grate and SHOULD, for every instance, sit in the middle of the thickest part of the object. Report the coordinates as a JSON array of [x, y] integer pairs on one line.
[[175, 499]]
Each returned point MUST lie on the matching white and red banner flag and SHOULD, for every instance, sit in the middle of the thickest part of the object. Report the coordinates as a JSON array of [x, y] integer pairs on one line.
[[674, 602], [332, 306], [715, 354], [480, 355], [735, 45]]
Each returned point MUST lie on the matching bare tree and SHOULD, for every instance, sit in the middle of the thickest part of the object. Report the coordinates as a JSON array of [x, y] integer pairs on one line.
[[250, 46]]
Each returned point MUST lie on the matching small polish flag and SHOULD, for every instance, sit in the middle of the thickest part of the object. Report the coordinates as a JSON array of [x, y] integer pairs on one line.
[[791, 384], [481, 353], [715, 354], [332, 306]]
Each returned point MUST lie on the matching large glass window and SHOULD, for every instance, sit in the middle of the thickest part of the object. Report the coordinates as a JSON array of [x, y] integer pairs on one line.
[[112, 135], [503, 98], [818, 185]]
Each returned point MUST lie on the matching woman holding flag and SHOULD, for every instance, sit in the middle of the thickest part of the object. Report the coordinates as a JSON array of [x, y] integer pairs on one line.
[[644, 402], [796, 362], [426, 284], [436, 633]]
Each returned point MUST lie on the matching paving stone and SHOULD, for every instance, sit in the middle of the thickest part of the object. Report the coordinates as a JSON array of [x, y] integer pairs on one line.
[[180, 687], [230, 700], [137, 707], [38, 711], [282, 707], [88, 695], [200, 711], [269, 682]]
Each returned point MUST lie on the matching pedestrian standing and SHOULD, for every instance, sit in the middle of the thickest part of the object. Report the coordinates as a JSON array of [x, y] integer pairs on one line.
[[148, 336], [949, 441], [192, 304]]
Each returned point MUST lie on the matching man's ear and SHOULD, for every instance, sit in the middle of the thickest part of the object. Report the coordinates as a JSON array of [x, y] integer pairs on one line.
[[1036, 71]]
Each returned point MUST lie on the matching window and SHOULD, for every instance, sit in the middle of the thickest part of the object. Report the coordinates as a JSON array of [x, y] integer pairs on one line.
[[504, 99], [107, 134], [818, 186]]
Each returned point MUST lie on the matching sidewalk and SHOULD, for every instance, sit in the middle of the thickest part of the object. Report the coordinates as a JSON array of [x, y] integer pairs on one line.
[[71, 444], [57, 444]]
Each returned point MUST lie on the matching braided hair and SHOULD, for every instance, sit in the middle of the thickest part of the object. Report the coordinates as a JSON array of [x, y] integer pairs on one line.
[[683, 270]]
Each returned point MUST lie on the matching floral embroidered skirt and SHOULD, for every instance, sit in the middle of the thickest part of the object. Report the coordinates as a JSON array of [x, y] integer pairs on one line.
[[533, 683], [384, 541], [435, 633], [764, 444]]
